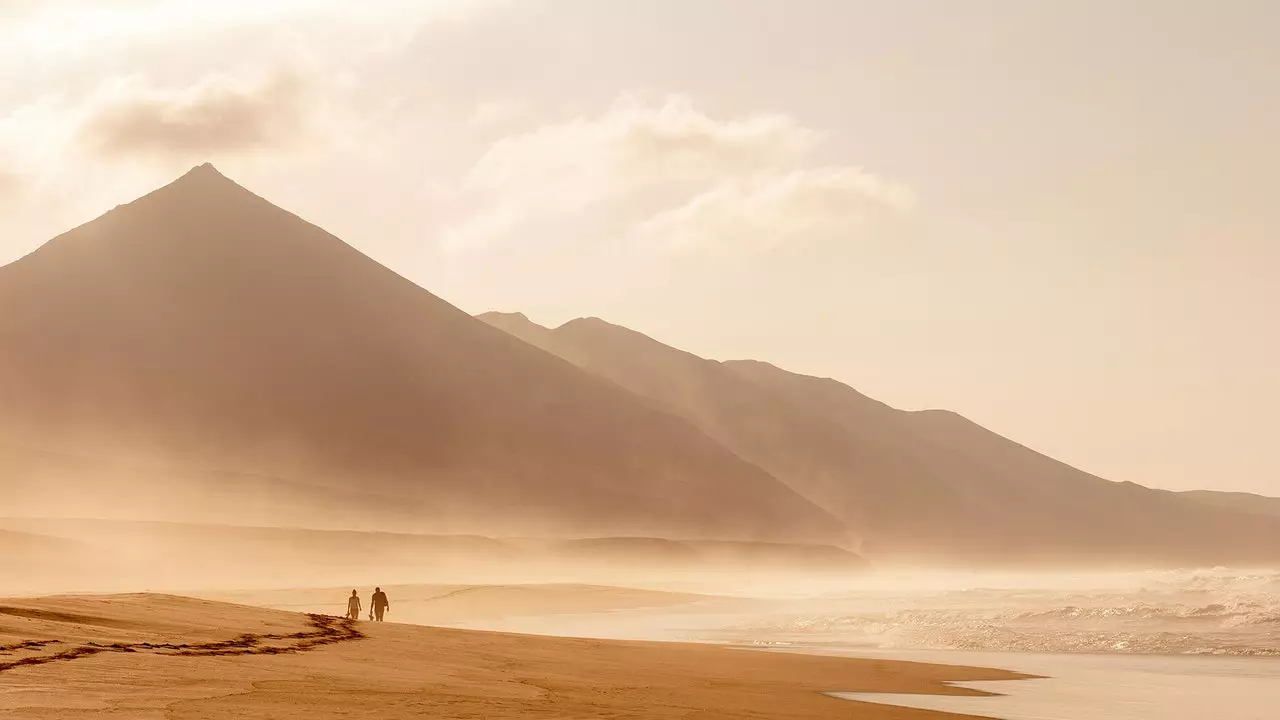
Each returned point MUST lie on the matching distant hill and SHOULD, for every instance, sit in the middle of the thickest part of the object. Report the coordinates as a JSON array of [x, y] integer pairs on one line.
[[26, 559], [1241, 501], [40, 483], [202, 332], [657, 552], [34, 548], [925, 486], [56, 554]]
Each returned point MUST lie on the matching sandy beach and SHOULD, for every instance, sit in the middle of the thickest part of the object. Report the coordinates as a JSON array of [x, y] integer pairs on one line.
[[162, 656]]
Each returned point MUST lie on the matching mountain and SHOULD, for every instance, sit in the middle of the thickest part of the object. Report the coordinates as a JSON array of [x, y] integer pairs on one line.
[[1240, 501], [26, 558], [202, 331], [40, 483], [921, 486]]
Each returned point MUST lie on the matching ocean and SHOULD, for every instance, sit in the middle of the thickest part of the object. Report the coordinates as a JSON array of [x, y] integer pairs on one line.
[[1104, 687], [1196, 644], [1156, 645], [1218, 612]]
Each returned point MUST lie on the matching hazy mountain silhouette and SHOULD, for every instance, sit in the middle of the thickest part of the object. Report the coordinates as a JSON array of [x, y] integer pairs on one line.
[[202, 328], [1242, 501], [921, 485], [40, 483]]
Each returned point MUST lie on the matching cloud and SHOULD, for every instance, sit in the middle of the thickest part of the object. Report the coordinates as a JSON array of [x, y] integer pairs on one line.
[[11, 186], [58, 30], [124, 67], [102, 100], [500, 113], [217, 116], [764, 212], [172, 77], [634, 143], [665, 174]]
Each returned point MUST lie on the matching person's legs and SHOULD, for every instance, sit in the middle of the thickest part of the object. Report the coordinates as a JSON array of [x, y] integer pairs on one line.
[[378, 612]]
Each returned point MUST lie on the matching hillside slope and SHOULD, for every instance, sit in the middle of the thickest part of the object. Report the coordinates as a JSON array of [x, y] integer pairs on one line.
[[924, 486], [1239, 501], [202, 328]]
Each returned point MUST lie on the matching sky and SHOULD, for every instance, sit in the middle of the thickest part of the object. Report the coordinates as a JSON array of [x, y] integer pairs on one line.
[[1057, 218]]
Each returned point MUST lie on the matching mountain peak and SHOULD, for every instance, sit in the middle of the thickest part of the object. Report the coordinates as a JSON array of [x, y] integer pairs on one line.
[[594, 325], [496, 317], [202, 173], [205, 168], [204, 327], [206, 228], [205, 175], [200, 186], [588, 321], [605, 331]]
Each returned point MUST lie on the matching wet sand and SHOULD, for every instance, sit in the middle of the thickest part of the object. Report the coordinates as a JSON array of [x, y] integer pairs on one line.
[[158, 656]]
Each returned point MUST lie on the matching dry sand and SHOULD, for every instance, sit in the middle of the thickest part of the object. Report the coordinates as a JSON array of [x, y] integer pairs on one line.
[[157, 656]]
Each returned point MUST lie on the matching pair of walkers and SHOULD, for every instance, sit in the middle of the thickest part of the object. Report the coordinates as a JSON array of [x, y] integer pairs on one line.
[[379, 605]]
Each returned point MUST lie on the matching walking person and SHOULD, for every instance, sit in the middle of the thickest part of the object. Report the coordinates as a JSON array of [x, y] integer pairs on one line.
[[380, 603], [353, 606]]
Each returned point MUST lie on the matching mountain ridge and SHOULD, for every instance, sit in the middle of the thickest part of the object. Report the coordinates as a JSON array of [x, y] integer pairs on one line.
[[201, 326], [921, 486], [1240, 501]]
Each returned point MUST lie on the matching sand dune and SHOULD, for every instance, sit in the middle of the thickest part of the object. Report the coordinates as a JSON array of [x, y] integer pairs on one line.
[[147, 656]]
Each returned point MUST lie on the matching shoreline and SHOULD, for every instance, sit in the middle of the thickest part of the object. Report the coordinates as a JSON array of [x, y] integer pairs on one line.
[[400, 670], [1096, 686]]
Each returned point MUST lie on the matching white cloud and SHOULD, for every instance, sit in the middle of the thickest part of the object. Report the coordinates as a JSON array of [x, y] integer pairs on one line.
[[11, 186], [35, 134], [500, 113], [187, 75], [216, 116], [763, 212], [634, 142], [72, 30], [70, 53], [666, 174], [101, 100]]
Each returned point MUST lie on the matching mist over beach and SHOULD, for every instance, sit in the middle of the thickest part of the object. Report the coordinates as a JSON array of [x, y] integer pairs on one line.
[[715, 359]]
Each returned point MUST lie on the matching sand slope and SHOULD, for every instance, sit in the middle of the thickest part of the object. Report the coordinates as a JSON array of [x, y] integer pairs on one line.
[[244, 662]]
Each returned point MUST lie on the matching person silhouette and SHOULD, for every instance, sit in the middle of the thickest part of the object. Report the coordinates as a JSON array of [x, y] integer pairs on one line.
[[353, 606], [380, 603]]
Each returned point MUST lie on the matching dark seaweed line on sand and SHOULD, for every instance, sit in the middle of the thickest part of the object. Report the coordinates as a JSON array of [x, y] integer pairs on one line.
[[27, 645], [327, 631]]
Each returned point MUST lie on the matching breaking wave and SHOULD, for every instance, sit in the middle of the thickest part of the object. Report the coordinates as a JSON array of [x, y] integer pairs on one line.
[[1206, 612]]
